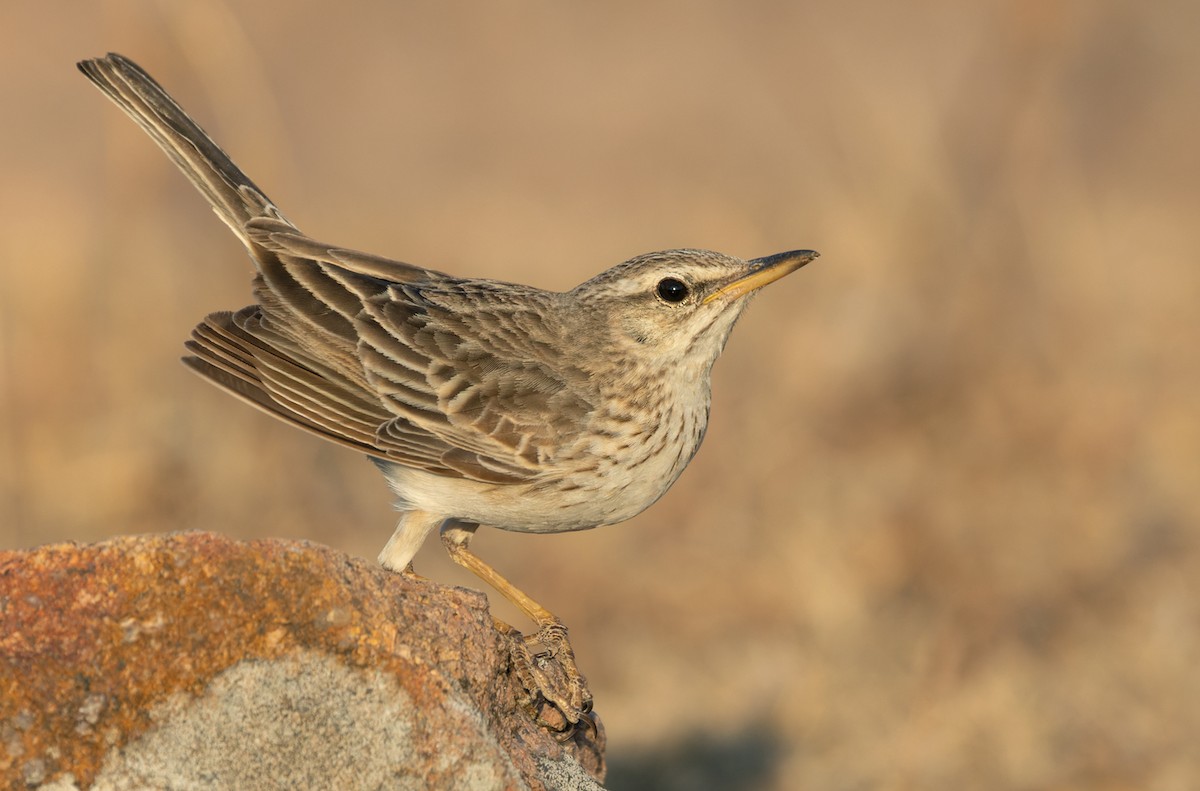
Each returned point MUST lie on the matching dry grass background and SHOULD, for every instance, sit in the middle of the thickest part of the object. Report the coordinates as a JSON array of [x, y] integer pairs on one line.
[[945, 530]]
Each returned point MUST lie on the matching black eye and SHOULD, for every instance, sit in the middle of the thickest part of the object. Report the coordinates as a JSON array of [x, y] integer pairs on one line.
[[672, 290]]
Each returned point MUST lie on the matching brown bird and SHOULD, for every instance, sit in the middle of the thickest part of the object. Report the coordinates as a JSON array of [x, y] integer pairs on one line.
[[483, 402]]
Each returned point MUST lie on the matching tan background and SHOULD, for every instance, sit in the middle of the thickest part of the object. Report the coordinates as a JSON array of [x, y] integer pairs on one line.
[[945, 531]]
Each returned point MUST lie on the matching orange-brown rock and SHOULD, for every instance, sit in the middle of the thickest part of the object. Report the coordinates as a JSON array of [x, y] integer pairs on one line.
[[194, 661]]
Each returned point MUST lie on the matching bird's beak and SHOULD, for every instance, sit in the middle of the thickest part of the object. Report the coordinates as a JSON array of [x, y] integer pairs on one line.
[[763, 271]]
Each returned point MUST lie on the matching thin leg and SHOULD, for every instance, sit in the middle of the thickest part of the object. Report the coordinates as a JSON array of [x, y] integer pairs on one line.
[[410, 533], [567, 689]]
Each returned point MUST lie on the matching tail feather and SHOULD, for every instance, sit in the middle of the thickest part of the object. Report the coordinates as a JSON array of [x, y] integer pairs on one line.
[[297, 354], [233, 196]]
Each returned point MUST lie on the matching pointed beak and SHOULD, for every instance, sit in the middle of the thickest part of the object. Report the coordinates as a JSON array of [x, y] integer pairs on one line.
[[763, 271]]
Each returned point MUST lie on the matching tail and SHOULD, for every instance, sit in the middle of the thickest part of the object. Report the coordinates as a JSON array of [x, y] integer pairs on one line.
[[234, 197], [294, 354]]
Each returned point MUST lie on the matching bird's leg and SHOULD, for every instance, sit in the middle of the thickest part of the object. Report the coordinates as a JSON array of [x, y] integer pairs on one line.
[[559, 682], [410, 533]]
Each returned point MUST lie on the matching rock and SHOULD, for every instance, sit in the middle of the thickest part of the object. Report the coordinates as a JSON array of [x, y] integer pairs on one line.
[[194, 661]]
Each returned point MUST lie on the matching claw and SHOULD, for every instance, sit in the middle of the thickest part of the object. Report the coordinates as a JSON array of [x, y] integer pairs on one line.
[[560, 700], [551, 674]]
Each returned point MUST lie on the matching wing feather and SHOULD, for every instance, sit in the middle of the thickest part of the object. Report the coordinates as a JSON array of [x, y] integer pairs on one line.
[[450, 376]]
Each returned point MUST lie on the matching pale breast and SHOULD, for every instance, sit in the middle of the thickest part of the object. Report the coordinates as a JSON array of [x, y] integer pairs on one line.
[[622, 463], [618, 465]]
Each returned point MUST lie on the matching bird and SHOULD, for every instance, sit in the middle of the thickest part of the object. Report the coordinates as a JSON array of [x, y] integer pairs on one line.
[[482, 402]]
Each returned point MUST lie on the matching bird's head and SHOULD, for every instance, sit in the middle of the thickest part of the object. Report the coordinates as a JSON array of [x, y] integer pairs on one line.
[[678, 307]]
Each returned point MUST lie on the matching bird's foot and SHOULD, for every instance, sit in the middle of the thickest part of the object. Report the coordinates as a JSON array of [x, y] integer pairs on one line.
[[559, 698], [410, 574]]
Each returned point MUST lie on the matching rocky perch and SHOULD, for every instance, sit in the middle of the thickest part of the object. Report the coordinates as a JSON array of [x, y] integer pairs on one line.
[[194, 661]]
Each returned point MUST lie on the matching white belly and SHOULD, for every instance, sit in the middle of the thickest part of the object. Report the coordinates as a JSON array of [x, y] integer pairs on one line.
[[601, 479]]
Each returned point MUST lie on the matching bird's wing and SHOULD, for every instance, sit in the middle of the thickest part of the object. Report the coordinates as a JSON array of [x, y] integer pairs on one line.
[[478, 365], [454, 403], [453, 377]]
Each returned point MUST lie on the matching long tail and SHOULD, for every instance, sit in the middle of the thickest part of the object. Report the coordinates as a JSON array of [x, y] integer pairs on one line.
[[234, 197], [294, 354]]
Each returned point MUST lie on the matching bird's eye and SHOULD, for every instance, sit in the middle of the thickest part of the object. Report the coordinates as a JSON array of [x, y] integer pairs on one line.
[[672, 290]]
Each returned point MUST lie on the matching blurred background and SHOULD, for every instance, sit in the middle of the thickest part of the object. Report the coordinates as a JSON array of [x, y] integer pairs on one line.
[[945, 529]]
